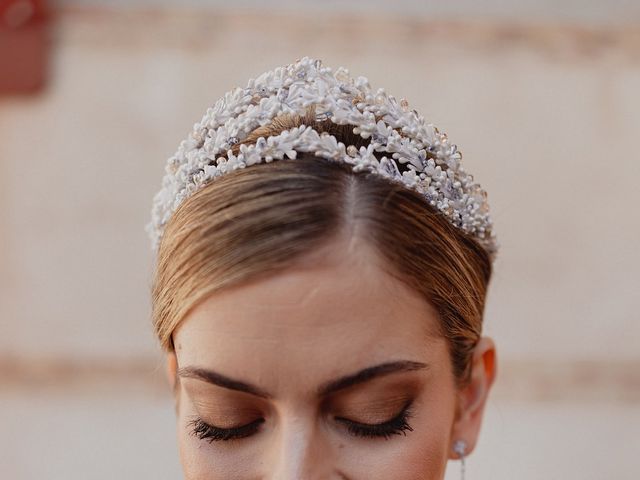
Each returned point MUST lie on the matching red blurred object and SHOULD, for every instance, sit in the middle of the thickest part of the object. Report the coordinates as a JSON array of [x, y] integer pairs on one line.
[[23, 45]]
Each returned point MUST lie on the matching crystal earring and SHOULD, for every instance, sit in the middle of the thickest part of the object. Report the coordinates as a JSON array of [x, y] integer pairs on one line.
[[460, 447]]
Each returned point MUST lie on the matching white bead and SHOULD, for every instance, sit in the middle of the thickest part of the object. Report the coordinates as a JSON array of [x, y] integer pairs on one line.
[[306, 82]]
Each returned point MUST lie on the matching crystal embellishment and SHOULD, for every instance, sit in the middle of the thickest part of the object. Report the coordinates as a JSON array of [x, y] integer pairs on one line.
[[418, 155]]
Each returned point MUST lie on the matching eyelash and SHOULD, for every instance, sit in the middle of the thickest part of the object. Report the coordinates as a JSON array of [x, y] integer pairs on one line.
[[204, 431], [396, 426]]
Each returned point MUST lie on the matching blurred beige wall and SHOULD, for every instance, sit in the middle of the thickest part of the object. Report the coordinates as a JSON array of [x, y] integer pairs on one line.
[[547, 115]]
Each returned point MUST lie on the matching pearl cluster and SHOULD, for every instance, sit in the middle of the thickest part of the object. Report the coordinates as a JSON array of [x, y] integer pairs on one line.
[[433, 165]]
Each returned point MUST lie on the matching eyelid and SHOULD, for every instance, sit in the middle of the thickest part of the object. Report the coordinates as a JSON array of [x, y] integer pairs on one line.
[[233, 426], [371, 406], [227, 416], [394, 417], [206, 431], [394, 426]]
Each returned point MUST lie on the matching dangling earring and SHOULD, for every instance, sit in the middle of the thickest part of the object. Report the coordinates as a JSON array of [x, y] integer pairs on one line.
[[460, 446]]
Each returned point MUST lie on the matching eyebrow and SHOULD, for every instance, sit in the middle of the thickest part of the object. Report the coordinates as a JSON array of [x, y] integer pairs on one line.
[[325, 389]]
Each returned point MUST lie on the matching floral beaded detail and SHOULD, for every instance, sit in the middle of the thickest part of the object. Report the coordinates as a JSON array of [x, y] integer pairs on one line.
[[431, 164]]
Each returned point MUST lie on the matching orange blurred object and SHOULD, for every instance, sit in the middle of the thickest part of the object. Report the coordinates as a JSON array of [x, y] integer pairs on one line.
[[23, 45]]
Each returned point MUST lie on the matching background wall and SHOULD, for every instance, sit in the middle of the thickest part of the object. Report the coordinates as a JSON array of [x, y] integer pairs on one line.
[[543, 100]]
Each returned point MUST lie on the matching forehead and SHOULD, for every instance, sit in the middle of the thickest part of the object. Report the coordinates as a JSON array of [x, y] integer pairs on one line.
[[310, 323]]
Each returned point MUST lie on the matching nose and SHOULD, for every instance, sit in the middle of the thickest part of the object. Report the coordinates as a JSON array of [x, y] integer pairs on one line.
[[302, 452]]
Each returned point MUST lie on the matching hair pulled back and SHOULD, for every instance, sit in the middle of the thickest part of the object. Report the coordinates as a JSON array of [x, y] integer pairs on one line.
[[256, 221]]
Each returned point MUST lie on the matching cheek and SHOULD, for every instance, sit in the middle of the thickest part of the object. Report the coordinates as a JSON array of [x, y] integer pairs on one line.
[[204, 461], [424, 455], [420, 455]]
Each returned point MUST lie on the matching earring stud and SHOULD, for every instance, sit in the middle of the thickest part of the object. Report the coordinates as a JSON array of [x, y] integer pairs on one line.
[[460, 447]]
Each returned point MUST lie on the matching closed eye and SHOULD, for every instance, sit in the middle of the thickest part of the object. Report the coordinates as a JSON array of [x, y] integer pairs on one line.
[[205, 431], [394, 426]]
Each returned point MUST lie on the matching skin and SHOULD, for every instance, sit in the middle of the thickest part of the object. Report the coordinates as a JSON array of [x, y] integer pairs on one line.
[[291, 333]]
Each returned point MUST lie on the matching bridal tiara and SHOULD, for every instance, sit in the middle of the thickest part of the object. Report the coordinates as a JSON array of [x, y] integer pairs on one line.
[[431, 163]]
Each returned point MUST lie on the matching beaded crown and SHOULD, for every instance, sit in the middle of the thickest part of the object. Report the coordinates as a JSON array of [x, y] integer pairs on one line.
[[430, 163]]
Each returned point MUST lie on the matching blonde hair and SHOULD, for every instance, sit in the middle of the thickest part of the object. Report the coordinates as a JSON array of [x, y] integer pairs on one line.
[[256, 221]]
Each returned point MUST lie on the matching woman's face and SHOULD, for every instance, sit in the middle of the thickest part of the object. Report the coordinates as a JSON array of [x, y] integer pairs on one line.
[[286, 378]]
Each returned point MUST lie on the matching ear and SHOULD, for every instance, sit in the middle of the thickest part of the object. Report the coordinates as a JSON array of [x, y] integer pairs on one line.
[[171, 368], [172, 377], [473, 397]]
